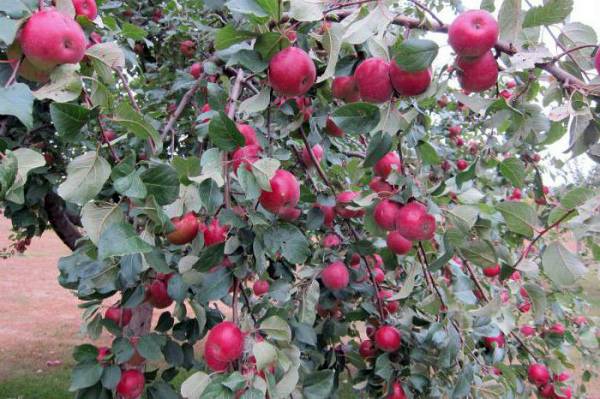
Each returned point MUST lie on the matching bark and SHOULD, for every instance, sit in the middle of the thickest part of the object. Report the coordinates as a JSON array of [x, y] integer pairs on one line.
[[60, 221]]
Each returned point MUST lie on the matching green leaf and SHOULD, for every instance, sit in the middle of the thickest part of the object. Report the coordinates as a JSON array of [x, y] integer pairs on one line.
[[65, 85], [162, 182], [256, 103], [488, 5], [68, 119], [27, 160], [111, 376], [467, 175], [379, 145], [552, 12], [479, 252], [246, 7], [263, 170], [289, 241], [270, 43], [265, 354], [272, 7], [123, 350], [109, 54], [513, 170], [234, 381], [85, 352], [17, 100], [319, 384], [121, 239], [357, 118], [428, 153], [227, 36], [210, 195], [215, 285], [509, 20], [85, 375], [562, 266], [463, 217], [519, 216], [414, 55], [131, 185], [194, 385], [133, 31], [576, 197], [276, 328], [538, 300], [8, 172], [86, 175], [306, 11], [132, 121], [96, 217], [224, 134], [310, 299], [8, 29], [149, 346]]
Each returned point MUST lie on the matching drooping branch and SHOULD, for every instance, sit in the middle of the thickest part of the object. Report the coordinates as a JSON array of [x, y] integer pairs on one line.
[[60, 221]]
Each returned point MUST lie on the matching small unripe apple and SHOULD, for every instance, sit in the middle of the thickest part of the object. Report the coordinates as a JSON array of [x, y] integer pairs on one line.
[[214, 233], [285, 192], [527, 331], [187, 48], [461, 164], [332, 129], [477, 74], [158, 295], [186, 229], [390, 161], [372, 77], [328, 214], [388, 339], [342, 210], [332, 240], [398, 244], [121, 316], [86, 8], [246, 155], [385, 213], [492, 271], [345, 88], [538, 374], [131, 384], [473, 33], [335, 276], [292, 72], [409, 83], [379, 185], [505, 94], [224, 344], [367, 349], [260, 287], [50, 38], [414, 223], [397, 391], [511, 84], [196, 70], [317, 151]]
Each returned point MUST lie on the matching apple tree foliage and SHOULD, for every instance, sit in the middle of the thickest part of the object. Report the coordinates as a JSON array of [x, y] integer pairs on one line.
[[112, 202]]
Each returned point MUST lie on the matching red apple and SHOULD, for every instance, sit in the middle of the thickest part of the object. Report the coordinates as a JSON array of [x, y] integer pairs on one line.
[[249, 134], [390, 306], [332, 129], [538, 374], [131, 384], [461, 164], [344, 88], [388, 339], [186, 229], [50, 38], [546, 391], [477, 74], [378, 275], [372, 77], [328, 214], [492, 271], [455, 131], [524, 307], [187, 48], [527, 331], [108, 136], [260, 287], [317, 151], [86, 8], [597, 61], [367, 349], [344, 198], [379, 185], [332, 240], [224, 344], [511, 84], [506, 94], [473, 33], [385, 213], [335, 276], [292, 72], [290, 214], [397, 391], [390, 161], [26, 69], [246, 155], [557, 328], [562, 393], [158, 295], [414, 223], [157, 15], [285, 192], [214, 233], [398, 244], [196, 70], [121, 316], [103, 353], [492, 342], [409, 83]]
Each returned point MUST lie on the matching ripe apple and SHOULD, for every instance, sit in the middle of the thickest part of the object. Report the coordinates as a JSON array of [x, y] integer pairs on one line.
[[367, 349], [388, 339], [121, 316], [492, 271], [379, 185], [455, 131], [397, 391], [409, 83], [378, 275], [597, 61], [538, 374], [390, 306], [580, 320], [317, 151], [345, 88], [335, 276], [292, 72], [562, 393], [546, 391], [86, 8], [328, 213], [332, 129], [224, 344], [492, 342], [385, 213], [131, 384], [246, 155], [260, 287], [511, 84], [187, 48], [557, 328], [196, 70], [50, 38], [524, 307], [387, 163], [103, 353], [414, 223], [527, 331], [157, 15], [505, 94], [372, 77], [157, 294], [186, 229], [214, 233], [473, 33], [461, 164], [249, 134], [285, 192], [477, 74], [332, 240], [108, 136], [398, 244], [289, 213], [344, 198], [26, 69]]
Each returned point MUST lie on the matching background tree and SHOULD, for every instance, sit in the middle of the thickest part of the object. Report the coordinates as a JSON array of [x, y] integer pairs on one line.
[[368, 225]]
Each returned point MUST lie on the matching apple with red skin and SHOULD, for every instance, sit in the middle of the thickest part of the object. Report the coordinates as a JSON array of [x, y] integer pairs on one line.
[[292, 72], [538, 374], [388, 338], [26, 69], [335, 276], [511, 84], [398, 244], [86, 8], [390, 306], [50, 38], [597, 62], [505, 94], [557, 328], [214, 233], [186, 229], [367, 349], [454, 131], [546, 391], [196, 70], [378, 275], [387, 163], [157, 15], [409, 83], [121, 316], [344, 198], [524, 307], [527, 331], [249, 134], [473, 33], [246, 155], [108, 136], [187, 48], [492, 342], [332, 240], [103, 353], [459, 142], [492, 271], [328, 214], [345, 88], [461, 164], [372, 78], [516, 194], [285, 192], [380, 186], [580, 320], [414, 223], [385, 213], [317, 151], [131, 384], [477, 74], [157, 294], [289, 213], [332, 129], [397, 391], [260, 287], [224, 344]]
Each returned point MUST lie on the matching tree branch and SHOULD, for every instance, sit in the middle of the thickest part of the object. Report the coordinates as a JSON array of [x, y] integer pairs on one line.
[[185, 101], [54, 206]]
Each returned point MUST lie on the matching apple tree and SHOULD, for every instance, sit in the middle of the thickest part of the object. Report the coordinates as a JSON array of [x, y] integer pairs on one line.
[[306, 198]]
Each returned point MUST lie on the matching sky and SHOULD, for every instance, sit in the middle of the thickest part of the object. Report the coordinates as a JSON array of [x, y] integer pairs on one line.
[[585, 11]]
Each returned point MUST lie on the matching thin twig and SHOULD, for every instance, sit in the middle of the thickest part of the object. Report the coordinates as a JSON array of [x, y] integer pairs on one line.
[[427, 10], [247, 301], [13, 76], [183, 103], [121, 75], [423, 259], [572, 50], [235, 300], [350, 4], [234, 96]]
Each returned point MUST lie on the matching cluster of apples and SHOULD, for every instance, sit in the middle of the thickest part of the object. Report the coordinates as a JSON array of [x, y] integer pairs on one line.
[[187, 228], [539, 375], [50, 38]]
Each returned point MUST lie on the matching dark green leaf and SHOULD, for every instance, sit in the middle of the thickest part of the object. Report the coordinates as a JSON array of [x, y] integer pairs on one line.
[[68, 119], [162, 182], [227, 36], [119, 240], [85, 375], [357, 118], [224, 134], [513, 170], [379, 145], [552, 12], [270, 43], [415, 54], [428, 153]]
